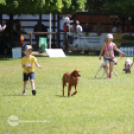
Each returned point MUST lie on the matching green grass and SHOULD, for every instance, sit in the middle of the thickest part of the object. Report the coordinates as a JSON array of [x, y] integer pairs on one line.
[[100, 107]]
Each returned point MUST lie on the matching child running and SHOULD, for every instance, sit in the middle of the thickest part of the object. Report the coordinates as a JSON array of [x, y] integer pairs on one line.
[[28, 66], [108, 49]]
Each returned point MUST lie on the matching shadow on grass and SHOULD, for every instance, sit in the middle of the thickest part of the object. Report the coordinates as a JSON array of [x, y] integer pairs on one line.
[[97, 78], [75, 53], [61, 96], [15, 95]]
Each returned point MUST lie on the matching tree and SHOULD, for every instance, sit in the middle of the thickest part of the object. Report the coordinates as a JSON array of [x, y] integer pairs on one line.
[[106, 7], [41, 6]]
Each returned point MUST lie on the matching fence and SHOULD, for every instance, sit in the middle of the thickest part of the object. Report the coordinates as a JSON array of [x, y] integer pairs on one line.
[[129, 51]]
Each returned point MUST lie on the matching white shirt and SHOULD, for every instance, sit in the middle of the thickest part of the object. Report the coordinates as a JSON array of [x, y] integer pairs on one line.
[[114, 30], [79, 29], [72, 28], [2, 28]]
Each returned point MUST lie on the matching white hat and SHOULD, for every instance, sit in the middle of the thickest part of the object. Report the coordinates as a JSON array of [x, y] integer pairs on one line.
[[66, 19], [110, 36], [27, 47]]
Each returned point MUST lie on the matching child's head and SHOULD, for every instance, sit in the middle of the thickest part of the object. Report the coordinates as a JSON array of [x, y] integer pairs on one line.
[[28, 50], [109, 37]]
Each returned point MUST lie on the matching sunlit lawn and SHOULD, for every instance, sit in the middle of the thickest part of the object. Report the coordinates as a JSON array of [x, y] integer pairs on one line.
[[101, 106]]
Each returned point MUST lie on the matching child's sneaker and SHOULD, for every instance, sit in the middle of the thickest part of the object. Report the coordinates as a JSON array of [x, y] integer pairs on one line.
[[24, 92], [33, 92], [108, 77]]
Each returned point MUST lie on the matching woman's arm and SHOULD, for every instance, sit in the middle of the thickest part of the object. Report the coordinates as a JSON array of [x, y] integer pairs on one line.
[[118, 50], [103, 48]]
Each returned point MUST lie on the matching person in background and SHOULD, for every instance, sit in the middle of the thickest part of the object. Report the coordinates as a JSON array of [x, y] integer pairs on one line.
[[73, 26], [87, 29], [78, 27], [66, 28], [116, 28], [17, 34], [130, 29], [79, 30], [39, 27], [99, 29], [3, 26]]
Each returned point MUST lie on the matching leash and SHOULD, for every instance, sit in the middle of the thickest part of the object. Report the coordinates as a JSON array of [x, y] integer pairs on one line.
[[121, 58]]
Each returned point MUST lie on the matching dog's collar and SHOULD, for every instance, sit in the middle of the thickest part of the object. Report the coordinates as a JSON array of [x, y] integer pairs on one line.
[[74, 78], [127, 67]]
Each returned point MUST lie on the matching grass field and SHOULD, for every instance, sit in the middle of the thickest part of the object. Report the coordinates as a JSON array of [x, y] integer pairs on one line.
[[101, 106]]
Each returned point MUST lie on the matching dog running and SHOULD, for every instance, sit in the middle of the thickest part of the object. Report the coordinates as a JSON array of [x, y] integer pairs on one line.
[[72, 80]]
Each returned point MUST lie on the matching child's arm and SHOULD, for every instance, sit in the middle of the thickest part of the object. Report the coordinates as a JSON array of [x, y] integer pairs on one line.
[[24, 66], [103, 48], [40, 67], [116, 49]]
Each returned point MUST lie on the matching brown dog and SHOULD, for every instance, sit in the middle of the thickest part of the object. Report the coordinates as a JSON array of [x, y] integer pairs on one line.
[[72, 80]]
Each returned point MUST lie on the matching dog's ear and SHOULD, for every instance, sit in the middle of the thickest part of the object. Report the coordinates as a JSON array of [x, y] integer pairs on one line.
[[73, 74]]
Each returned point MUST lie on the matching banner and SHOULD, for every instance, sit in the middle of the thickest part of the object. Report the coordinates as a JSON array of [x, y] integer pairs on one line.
[[93, 42]]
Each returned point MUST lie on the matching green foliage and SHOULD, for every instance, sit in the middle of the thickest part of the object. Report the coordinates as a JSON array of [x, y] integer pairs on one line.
[[2, 2], [119, 7], [41, 6]]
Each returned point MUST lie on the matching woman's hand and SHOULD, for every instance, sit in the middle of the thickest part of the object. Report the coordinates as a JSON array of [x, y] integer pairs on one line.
[[123, 54]]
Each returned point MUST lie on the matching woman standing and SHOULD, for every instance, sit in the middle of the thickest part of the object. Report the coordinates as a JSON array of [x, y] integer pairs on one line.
[[108, 49]]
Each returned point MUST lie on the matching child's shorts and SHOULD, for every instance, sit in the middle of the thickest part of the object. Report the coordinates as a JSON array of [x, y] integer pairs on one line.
[[26, 76], [108, 59]]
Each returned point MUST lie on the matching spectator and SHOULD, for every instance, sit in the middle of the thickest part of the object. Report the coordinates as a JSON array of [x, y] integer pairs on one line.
[[73, 27], [78, 27], [130, 29], [3, 26], [17, 34], [66, 25], [87, 29], [98, 28], [40, 28], [66, 28], [79, 30], [116, 28], [6, 43]]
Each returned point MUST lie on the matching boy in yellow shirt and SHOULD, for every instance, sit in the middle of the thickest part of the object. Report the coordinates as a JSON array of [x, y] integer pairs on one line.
[[28, 66]]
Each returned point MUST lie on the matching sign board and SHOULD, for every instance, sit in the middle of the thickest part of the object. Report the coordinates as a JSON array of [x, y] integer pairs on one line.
[[93, 42], [55, 53]]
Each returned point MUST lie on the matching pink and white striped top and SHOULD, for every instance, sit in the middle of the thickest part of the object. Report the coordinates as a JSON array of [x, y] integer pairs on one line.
[[109, 50]]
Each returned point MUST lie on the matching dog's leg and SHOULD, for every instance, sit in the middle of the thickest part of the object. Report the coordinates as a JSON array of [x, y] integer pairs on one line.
[[98, 70], [115, 73], [75, 91], [69, 88], [63, 87], [103, 72]]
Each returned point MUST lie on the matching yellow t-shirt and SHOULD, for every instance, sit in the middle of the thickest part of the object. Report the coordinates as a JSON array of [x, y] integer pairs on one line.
[[31, 60]]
